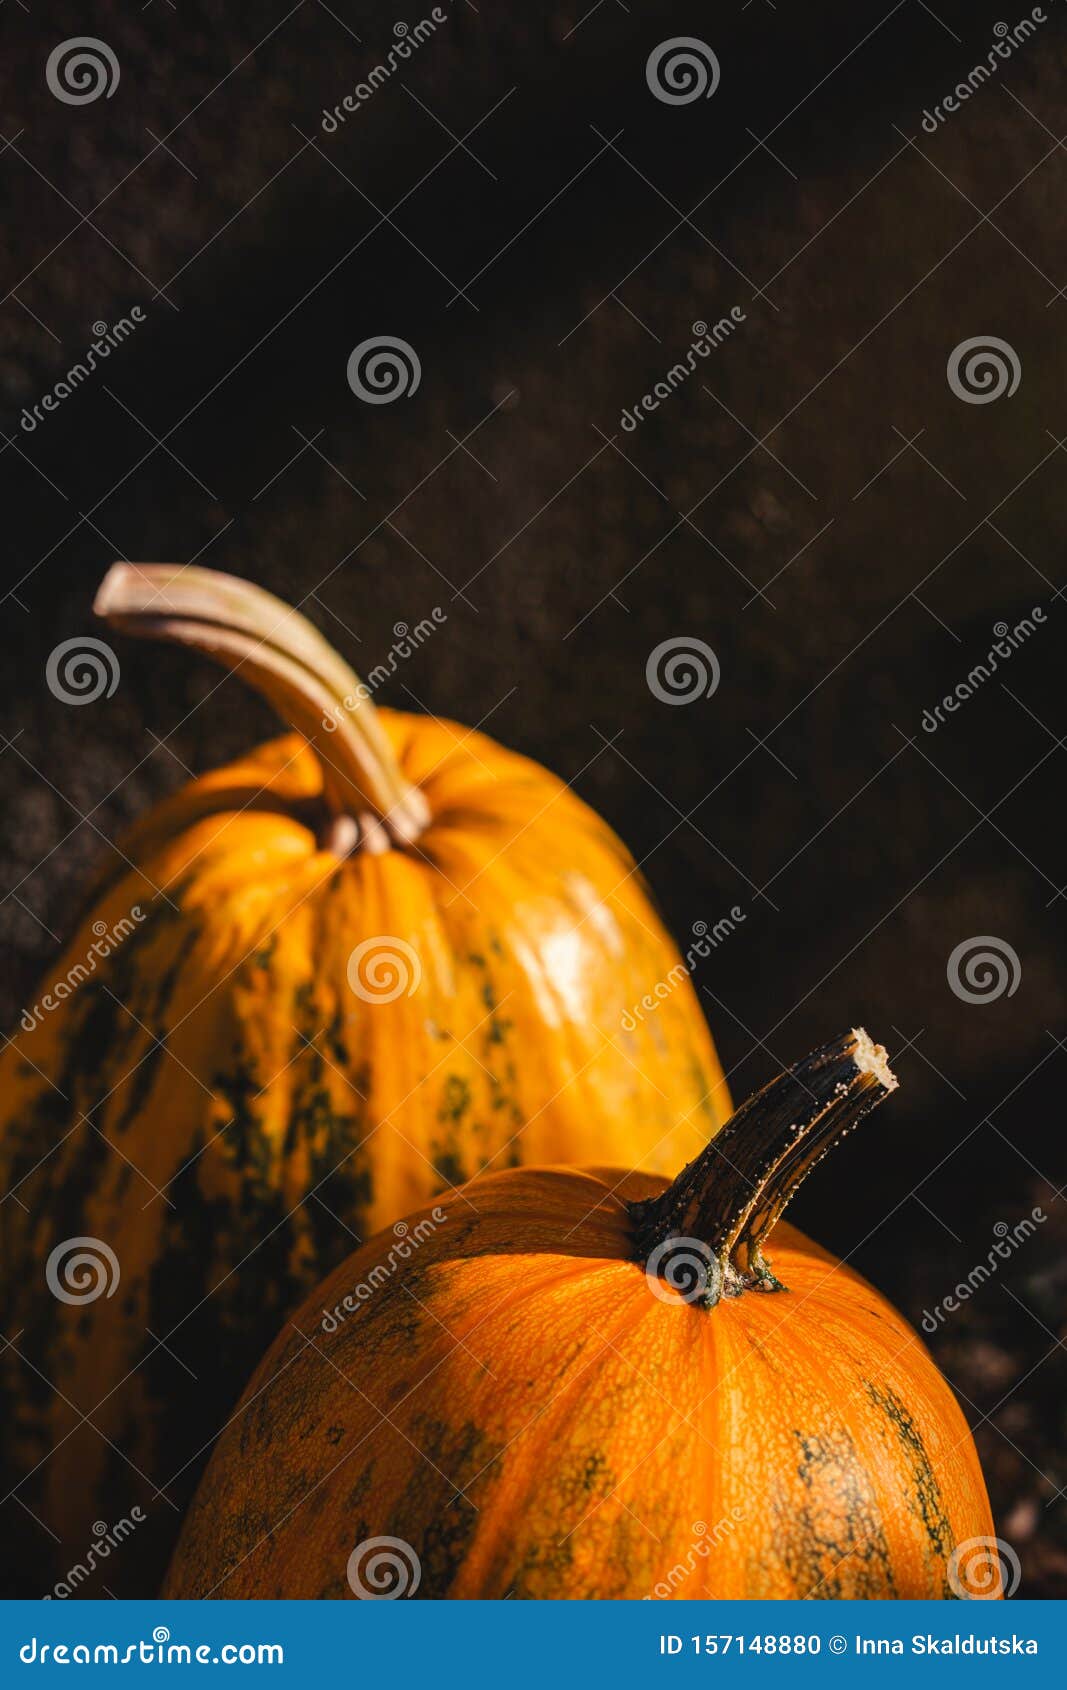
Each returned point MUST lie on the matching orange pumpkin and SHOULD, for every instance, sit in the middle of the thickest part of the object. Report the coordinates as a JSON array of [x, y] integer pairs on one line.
[[320, 986], [589, 1383]]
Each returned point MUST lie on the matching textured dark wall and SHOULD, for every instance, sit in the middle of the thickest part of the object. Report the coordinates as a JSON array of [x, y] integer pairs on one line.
[[816, 504]]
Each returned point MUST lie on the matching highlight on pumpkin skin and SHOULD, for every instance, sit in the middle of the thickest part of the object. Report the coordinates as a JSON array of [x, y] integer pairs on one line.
[[703, 1236]]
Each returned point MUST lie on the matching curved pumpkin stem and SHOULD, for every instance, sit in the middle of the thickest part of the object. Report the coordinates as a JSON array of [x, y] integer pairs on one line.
[[730, 1197], [279, 652]]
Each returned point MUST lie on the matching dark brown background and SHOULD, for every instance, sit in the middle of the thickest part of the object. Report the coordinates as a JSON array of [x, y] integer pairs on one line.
[[861, 849]]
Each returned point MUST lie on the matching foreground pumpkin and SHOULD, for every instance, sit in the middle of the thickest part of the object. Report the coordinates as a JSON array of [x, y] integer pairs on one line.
[[567, 1383], [321, 985]]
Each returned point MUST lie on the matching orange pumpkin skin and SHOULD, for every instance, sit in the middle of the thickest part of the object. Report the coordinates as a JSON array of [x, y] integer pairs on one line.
[[284, 1117], [516, 1406]]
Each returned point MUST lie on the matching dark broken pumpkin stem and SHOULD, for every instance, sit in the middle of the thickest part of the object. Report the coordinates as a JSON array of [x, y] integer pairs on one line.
[[729, 1198], [282, 654]]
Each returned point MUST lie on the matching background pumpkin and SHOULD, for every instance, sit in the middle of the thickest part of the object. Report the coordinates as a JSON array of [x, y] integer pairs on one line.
[[524, 1407], [337, 977]]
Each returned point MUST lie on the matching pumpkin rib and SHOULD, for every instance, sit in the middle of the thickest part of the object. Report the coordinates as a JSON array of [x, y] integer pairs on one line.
[[526, 1294], [539, 1430], [849, 1276], [523, 1502], [863, 1358], [129, 1073]]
